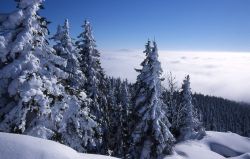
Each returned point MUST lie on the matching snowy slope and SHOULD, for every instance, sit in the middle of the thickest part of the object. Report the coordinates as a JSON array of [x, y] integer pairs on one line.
[[13, 146], [216, 145]]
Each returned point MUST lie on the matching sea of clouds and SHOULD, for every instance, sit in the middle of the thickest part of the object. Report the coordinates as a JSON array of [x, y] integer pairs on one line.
[[224, 74]]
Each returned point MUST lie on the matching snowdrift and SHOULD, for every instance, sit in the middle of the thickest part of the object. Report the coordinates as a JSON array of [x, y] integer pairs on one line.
[[14, 146], [215, 145]]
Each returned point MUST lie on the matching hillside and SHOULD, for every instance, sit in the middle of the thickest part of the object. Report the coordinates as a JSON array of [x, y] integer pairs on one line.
[[14, 146], [214, 145], [223, 115]]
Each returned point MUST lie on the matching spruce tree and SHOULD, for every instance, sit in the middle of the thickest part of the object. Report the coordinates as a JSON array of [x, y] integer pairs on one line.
[[29, 74], [95, 85], [90, 62], [189, 125], [65, 48], [151, 137], [77, 127]]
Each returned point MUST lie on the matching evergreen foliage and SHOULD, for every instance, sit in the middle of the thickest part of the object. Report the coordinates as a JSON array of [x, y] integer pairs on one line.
[[188, 124], [61, 93], [77, 127], [151, 137], [95, 85], [30, 73]]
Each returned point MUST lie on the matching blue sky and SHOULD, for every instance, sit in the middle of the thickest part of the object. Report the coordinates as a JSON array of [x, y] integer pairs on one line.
[[187, 25]]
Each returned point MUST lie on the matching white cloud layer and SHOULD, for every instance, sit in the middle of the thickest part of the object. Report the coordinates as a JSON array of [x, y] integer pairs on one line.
[[225, 74]]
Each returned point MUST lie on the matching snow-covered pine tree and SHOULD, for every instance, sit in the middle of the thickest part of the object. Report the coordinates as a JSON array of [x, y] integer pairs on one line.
[[29, 76], [90, 62], [77, 127], [151, 137], [95, 85], [64, 48], [189, 126]]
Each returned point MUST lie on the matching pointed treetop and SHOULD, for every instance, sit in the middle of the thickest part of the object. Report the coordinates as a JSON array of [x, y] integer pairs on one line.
[[187, 80], [86, 22], [66, 22], [88, 34], [154, 54], [87, 26], [66, 25], [147, 47], [22, 4], [155, 49], [66, 30], [186, 85], [62, 34]]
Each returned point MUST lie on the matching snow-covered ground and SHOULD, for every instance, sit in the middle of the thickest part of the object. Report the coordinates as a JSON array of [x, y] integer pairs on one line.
[[13, 146], [215, 145]]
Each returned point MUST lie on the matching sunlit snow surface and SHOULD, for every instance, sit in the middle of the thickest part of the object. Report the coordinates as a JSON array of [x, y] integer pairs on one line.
[[223, 74], [215, 145], [13, 146]]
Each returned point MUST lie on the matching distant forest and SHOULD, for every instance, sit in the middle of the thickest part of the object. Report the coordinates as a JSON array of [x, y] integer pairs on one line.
[[223, 115]]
